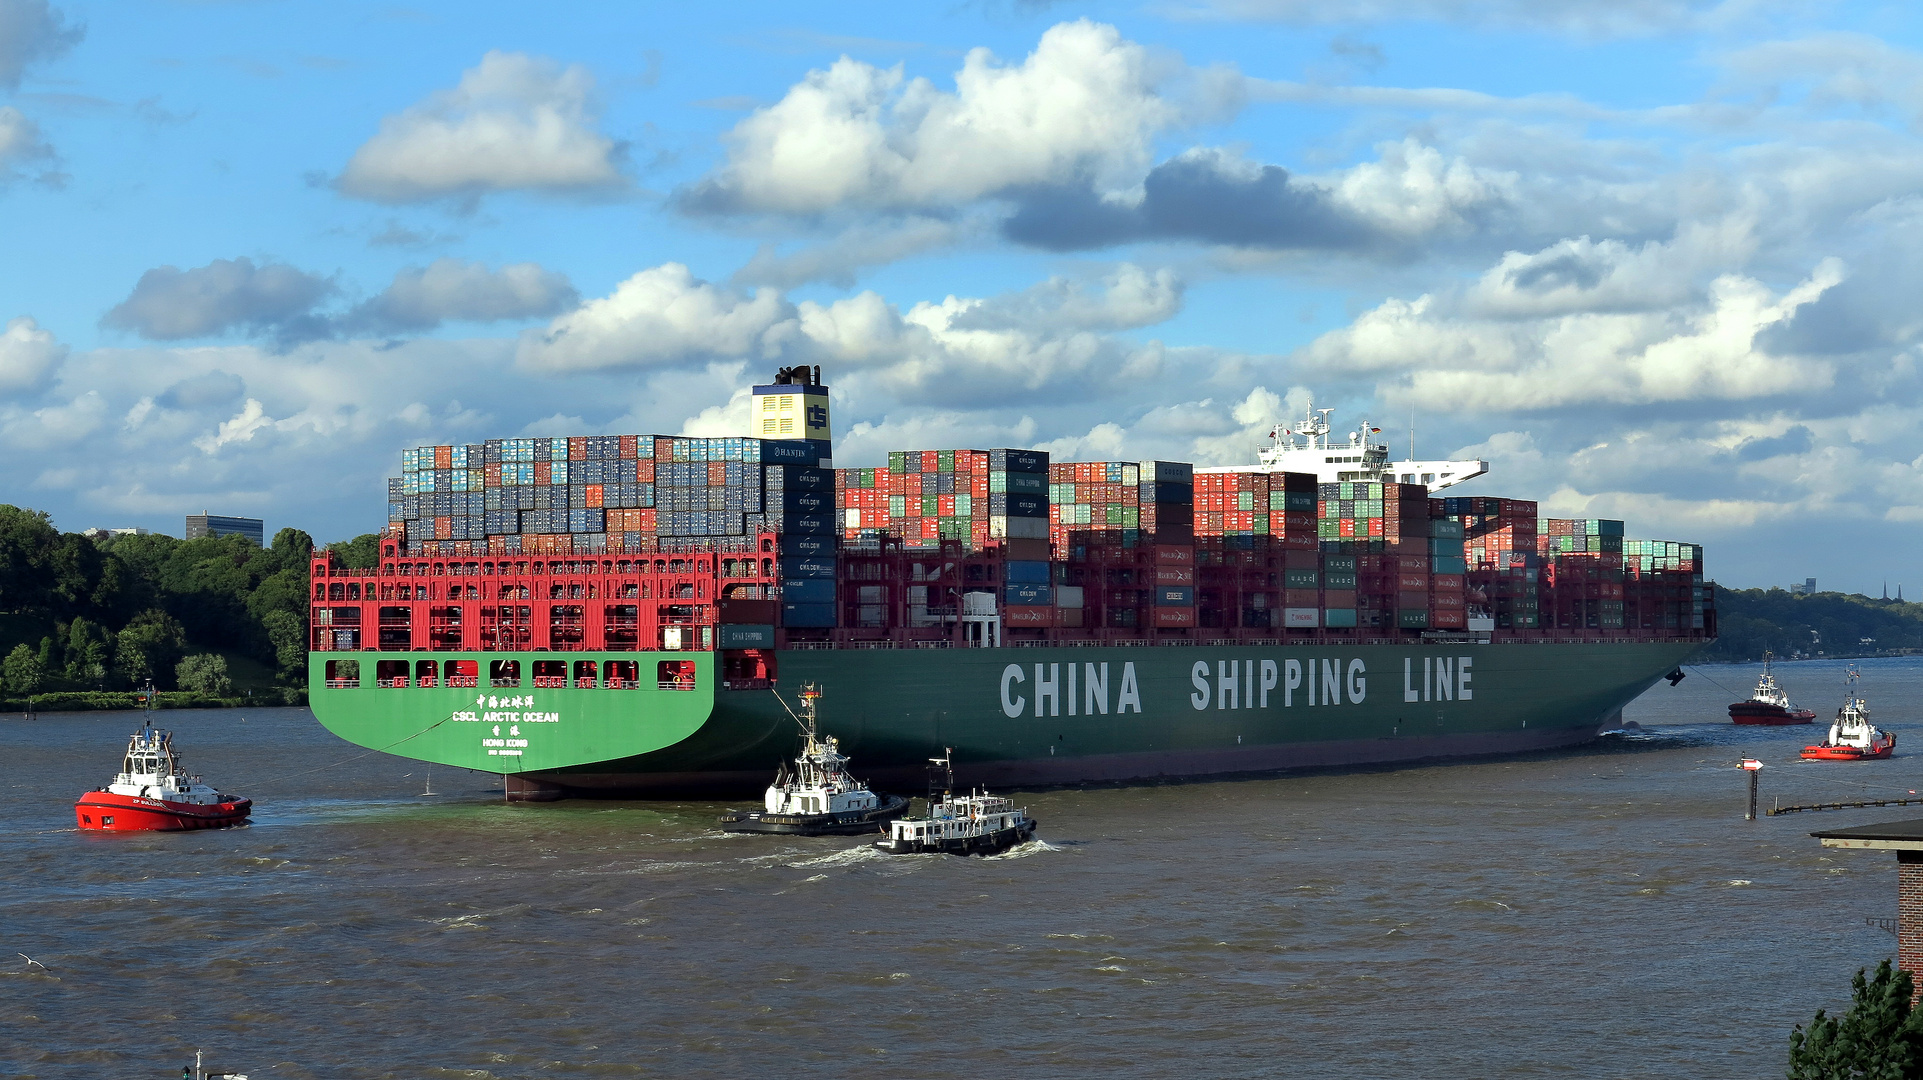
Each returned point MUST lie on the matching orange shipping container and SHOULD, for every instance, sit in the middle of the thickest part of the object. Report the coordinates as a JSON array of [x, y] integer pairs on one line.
[[594, 496], [443, 457], [1175, 575], [1174, 616]]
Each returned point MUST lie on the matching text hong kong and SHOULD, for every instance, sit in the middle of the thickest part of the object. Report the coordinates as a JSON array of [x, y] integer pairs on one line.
[[1055, 689]]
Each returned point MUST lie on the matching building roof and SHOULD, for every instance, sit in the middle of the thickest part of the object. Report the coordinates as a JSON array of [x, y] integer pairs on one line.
[[1889, 836]]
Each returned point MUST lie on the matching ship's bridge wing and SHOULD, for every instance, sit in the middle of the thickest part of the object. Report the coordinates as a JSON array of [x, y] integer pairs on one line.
[[1436, 474]]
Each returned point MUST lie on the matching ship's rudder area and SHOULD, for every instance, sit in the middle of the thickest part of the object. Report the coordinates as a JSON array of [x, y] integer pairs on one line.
[[523, 787]]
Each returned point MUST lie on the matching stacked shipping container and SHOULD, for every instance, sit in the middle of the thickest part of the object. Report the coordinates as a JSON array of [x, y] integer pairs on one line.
[[1108, 546]]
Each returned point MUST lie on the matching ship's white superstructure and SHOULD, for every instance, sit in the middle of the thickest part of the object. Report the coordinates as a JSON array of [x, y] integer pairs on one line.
[[1307, 446]]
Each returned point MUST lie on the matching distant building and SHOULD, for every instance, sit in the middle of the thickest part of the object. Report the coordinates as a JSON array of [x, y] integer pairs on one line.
[[205, 524], [97, 533], [1807, 588]]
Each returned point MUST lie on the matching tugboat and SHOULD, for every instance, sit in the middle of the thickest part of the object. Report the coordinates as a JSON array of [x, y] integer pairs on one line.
[[1851, 737], [1769, 704], [977, 824], [819, 798], [153, 793]]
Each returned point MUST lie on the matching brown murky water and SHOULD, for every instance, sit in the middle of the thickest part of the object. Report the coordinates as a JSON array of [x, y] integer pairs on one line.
[[1600, 913]]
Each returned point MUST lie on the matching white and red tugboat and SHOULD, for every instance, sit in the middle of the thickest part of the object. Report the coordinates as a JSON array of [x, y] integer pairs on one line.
[[152, 793], [1852, 737], [1769, 704]]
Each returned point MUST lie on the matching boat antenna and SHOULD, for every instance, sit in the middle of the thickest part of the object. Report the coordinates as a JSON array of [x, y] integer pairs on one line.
[[941, 773], [809, 692]]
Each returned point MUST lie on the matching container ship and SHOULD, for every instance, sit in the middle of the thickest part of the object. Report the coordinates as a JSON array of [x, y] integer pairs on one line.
[[622, 615]]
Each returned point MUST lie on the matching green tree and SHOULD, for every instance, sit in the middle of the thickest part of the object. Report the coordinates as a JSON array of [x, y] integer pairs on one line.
[[1880, 1038], [89, 652], [23, 670], [288, 632], [205, 673], [150, 647], [360, 553]]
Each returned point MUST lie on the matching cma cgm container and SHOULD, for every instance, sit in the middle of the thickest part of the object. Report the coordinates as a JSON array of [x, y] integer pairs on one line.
[[624, 614]]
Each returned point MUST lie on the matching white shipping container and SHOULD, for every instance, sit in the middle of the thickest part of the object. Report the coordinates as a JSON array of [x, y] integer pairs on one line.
[[1301, 618], [1018, 528]]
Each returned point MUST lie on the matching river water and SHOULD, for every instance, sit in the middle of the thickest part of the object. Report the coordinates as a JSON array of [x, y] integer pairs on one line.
[[1604, 912]]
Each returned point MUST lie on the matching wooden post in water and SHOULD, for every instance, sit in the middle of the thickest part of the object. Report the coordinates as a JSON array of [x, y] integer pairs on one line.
[[1752, 767]]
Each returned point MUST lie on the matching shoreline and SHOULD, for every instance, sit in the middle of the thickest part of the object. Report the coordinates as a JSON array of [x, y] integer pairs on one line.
[[81, 701]]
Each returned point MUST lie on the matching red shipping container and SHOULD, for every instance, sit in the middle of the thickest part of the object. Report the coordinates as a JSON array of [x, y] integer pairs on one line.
[[1174, 616], [1448, 619], [1174, 575], [1409, 600], [493, 477], [644, 472], [443, 457], [1301, 598], [594, 496], [663, 448], [1346, 527], [630, 446], [1442, 601], [717, 473], [1414, 564], [1304, 541], [1338, 598], [644, 521], [1446, 583], [443, 528], [1028, 616], [543, 473], [1174, 555], [578, 448], [945, 505]]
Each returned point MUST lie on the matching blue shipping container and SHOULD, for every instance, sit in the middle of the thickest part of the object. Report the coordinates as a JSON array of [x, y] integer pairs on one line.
[[1032, 572], [1175, 596], [1028, 595], [807, 615], [805, 567], [808, 544], [808, 590]]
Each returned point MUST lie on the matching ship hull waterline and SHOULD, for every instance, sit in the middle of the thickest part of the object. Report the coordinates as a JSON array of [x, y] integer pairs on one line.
[[1013, 717]]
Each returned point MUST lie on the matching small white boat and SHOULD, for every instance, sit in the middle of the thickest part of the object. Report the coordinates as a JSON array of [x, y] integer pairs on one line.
[[1852, 737], [819, 798], [974, 824]]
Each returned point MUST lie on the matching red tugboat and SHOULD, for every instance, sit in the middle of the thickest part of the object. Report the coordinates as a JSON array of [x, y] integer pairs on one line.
[[1769, 704], [152, 793], [1851, 737]]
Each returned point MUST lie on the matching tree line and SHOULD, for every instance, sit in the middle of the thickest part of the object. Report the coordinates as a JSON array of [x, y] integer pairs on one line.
[[106, 613], [1748, 621]]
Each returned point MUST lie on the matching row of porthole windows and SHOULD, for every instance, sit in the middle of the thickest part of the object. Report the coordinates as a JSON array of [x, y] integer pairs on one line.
[[609, 675]]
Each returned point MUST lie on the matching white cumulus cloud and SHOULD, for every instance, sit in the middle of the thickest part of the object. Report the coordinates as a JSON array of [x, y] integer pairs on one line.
[[1084, 106], [514, 123], [28, 356]]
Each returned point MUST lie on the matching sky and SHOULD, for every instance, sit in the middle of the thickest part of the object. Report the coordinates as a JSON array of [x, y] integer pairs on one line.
[[1655, 260]]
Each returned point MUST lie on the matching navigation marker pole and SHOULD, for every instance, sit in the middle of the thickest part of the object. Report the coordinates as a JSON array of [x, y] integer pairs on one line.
[[1751, 766]]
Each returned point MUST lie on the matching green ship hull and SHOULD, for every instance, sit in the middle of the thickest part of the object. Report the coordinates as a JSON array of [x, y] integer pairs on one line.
[[1013, 716]]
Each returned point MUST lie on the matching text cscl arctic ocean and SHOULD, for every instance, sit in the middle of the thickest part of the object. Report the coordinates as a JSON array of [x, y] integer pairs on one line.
[[613, 615]]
